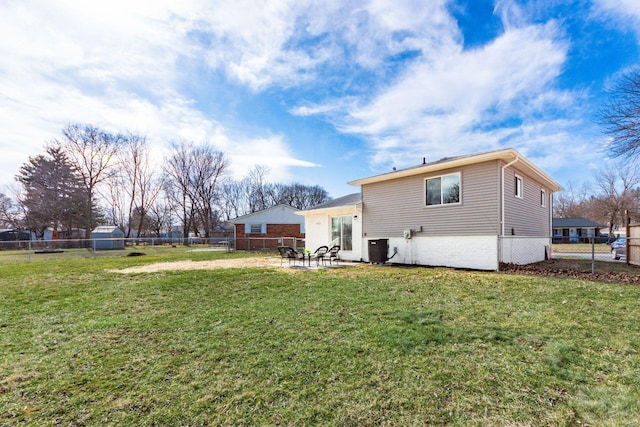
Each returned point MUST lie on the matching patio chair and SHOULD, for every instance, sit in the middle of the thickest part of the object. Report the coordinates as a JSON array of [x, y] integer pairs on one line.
[[319, 254], [332, 254], [289, 253]]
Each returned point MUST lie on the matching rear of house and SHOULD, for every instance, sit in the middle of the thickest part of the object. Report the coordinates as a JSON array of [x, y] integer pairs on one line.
[[467, 212], [336, 222]]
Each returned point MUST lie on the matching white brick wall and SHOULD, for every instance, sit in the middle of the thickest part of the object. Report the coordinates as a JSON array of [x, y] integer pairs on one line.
[[523, 250], [476, 252]]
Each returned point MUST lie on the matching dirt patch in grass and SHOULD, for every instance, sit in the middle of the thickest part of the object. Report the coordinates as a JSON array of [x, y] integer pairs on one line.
[[580, 269], [255, 262], [202, 265]]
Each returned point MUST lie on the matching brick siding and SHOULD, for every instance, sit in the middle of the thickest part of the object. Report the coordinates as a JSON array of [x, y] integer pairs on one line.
[[274, 232]]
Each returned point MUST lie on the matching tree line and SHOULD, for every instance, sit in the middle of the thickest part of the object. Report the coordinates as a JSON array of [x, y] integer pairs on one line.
[[89, 176], [614, 196]]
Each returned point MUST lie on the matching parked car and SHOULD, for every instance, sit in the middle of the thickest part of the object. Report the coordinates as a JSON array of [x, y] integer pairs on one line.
[[619, 248]]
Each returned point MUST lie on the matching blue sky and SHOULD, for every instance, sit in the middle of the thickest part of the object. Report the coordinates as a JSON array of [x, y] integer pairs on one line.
[[320, 92]]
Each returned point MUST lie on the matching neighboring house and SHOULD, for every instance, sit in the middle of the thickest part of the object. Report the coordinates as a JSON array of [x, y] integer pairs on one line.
[[61, 234], [107, 237], [574, 230], [13, 234], [12, 238], [336, 222], [472, 211], [266, 229]]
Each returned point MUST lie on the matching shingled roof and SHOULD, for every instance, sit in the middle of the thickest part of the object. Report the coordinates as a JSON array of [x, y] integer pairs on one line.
[[348, 200], [574, 223]]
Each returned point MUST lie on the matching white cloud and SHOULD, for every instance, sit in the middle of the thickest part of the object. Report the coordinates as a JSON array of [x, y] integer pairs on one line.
[[246, 152], [441, 107], [392, 72], [284, 43], [618, 14], [116, 65], [623, 8]]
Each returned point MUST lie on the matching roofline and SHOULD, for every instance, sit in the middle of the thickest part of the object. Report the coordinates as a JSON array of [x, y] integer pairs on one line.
[[508, 155], [357, 206], [243, 217]]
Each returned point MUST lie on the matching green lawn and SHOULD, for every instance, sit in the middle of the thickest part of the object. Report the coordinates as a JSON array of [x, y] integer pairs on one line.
[[585, 248], [352, 346]]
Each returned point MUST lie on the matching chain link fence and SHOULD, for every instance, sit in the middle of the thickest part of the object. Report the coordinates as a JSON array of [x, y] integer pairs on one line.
[[41, 250], [586, 252]]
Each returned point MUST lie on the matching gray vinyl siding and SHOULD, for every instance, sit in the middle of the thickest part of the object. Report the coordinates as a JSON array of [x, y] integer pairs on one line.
[[389, 207], [526, 216]]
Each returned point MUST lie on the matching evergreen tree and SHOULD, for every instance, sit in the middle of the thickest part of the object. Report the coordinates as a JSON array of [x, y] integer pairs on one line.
[[53, 194]]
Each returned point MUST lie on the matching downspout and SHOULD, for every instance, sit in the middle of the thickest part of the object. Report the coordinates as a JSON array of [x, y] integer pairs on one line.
[[502, 192], [500, 243], [551, 222]]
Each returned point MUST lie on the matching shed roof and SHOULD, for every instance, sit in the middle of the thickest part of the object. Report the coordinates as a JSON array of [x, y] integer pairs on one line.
[[106, 229]]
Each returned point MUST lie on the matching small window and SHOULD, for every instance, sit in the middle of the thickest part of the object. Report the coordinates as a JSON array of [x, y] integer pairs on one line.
[[443, 190], [518, 187], [256, 228], [543, 198]]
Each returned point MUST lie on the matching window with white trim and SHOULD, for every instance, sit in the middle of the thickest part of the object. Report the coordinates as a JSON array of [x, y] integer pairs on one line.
[[442, 190], [518, 187], [543, 197], [257, 229]]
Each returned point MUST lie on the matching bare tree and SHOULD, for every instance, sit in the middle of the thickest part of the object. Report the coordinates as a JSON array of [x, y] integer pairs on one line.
[[261, 194], [160, 216], [617, 193], [8, 212], [256, 191], [136, 178], [209, 168], [194, 177], [232, 203], [571, 203], [620, 116], [177, 169], [116, 201], [93, 153], [298, 195]]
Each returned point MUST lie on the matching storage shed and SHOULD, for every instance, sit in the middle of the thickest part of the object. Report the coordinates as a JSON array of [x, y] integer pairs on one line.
[[107, 237]]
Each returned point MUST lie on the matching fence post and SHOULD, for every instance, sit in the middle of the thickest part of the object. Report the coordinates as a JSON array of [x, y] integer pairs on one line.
[[593, 255], [627, 221]]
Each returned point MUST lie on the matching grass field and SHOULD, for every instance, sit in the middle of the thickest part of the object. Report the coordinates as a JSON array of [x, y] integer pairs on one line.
[[585, 248], [352, 346]]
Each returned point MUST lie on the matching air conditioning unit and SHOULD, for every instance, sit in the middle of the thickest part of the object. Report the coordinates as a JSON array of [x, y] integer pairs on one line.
[[378, 251], [407, 234]]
